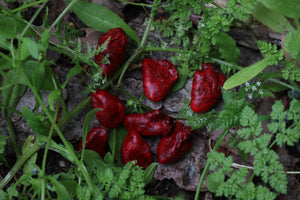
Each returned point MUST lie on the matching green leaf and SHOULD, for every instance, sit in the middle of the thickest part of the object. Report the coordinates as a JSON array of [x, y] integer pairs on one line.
[[227, 48], [86, 127], [294, 45], [74, 71], [34, 122], [31, 46], [38, 73], [11, 95], [246, 74], [214, 180], [46, 82], [45, 39], [61, 191], [272, 19], [115, 140], [149, 172], [54, 95], [59, 148], [288, 8], [94, 161], [3, 139], [30, 163], [100, 18]]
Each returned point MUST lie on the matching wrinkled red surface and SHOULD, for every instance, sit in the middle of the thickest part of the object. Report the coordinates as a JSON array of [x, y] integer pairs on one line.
[[96, 140], [158, 78], [136, 148], [206, 88], [173, 146], [115, 50], [113, 109], [154, 122]]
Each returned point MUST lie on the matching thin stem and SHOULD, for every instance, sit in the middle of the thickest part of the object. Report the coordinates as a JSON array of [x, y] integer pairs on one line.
[[62, 14], [146, 33], [217, 145], [19, 164], [284, 84], [136, 4], [27, 6], [32, 19], [45, 156], [13, 137], [165, 49], [127, 63], [69, 148]]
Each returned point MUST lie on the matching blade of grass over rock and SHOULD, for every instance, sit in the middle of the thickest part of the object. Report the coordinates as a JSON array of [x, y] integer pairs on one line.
[[288, 8], [100, 18], [246, 74], [273, 20]]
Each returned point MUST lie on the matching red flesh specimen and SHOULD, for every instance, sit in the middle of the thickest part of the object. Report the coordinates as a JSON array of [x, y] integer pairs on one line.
[[158, 78], [113, 109], [96, 140], [172, 147], [206, 88], [154, 122], [136, 148], [115, 51]]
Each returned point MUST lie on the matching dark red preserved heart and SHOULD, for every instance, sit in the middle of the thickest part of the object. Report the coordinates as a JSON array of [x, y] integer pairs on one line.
[[158, 78], [154, 122], [113, 110], [96, 140], [135, 148], [115, 51], [206, 88], [173, 146]]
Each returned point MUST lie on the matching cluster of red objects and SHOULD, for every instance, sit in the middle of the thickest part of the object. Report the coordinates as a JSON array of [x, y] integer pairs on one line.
[[158, 78]]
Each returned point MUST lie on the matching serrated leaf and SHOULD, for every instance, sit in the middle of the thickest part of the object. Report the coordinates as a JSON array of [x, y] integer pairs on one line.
[[34, 122], [273, 20], [246, 74], [100, 18], [227, 48], [214, 180], [288, 8], [149, 172]]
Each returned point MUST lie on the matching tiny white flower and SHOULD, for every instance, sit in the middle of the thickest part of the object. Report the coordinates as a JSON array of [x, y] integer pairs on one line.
[[247, 84], [260, 92], [202, 25], [254, 88], [258, 83], [246, 89], [250, 96]]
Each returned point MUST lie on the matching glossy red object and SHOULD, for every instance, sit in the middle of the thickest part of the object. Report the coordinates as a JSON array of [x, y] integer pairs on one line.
[[135, 148], [96, 140], [206, 88], [173, 146], [154, 122], [113, 109], [115, 51], [158, 78]]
